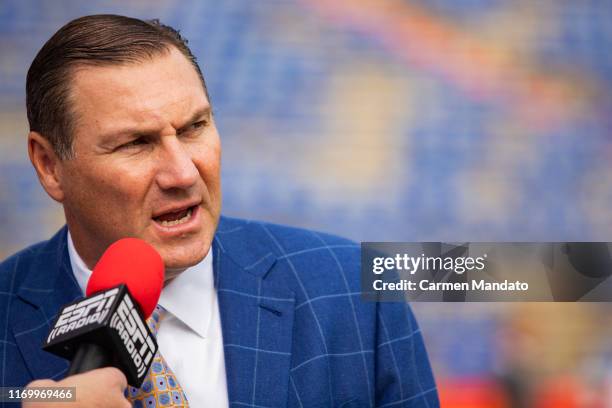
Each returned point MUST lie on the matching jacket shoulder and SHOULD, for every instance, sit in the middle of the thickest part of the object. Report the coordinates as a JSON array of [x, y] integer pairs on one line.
[[26, 263], [11, 267], [304, 258], [282, 240]]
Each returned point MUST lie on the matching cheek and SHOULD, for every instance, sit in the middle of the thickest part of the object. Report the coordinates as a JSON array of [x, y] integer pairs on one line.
[[207, 159], [110, 192]]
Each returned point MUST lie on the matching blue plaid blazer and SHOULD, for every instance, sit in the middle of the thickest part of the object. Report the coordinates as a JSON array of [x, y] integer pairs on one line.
[[295, 330]]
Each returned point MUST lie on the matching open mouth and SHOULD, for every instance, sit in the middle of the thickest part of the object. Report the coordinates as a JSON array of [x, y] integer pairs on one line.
[[171, 219]]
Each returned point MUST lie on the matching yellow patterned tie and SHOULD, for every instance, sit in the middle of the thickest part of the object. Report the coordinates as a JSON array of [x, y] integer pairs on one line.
[[160, 388]]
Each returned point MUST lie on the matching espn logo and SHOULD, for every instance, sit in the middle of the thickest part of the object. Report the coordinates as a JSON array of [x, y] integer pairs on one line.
[[136, 338], [88, 311]]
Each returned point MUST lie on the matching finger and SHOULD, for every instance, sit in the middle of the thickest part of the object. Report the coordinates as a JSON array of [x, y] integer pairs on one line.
[[41, 383], [115, 377]]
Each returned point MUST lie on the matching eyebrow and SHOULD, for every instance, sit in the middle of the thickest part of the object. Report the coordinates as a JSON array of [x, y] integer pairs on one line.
[[112, 136]]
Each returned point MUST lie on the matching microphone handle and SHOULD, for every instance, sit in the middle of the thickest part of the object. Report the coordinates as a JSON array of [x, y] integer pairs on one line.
[[90, 356]]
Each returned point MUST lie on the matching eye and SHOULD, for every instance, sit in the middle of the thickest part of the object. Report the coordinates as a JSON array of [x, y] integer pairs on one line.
[[134, 143], [194, 129], [198, 125]]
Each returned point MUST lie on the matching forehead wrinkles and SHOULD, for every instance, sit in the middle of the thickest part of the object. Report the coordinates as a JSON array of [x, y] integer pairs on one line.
[[155, 95]]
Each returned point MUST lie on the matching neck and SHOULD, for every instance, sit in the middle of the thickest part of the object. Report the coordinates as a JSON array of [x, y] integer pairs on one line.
[[171, 274]]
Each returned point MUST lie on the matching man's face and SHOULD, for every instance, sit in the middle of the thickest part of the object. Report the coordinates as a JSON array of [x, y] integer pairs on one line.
[[147, 159]]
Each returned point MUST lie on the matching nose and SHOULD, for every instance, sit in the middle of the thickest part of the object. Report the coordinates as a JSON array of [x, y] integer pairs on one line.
[[176, 167]]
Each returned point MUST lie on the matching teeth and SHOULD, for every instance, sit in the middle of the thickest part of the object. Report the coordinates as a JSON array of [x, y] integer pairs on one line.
[[177, 222]]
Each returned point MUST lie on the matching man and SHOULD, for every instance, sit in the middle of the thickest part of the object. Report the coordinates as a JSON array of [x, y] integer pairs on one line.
[[123, 136]]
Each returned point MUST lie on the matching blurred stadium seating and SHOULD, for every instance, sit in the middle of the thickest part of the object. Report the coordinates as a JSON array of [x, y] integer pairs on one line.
[[394, 120]]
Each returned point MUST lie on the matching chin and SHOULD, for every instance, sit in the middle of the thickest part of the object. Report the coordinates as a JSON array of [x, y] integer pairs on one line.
[[184, 251], [181, 263], [184, 259]]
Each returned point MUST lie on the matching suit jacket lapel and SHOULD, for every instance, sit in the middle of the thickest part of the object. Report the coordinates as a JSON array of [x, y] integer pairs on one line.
[[48, 285], [257, 322]]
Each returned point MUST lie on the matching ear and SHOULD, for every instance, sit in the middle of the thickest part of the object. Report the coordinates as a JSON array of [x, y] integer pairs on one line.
[[47, 165]]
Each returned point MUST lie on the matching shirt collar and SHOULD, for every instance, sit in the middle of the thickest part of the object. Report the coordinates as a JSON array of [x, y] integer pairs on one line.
[[189, 297]]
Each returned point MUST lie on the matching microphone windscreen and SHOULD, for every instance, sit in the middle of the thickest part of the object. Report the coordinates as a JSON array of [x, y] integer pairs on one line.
[[133, 262]]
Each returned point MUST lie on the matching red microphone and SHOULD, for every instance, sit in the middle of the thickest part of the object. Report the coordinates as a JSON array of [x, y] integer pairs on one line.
[[108, 327], [134, 263]]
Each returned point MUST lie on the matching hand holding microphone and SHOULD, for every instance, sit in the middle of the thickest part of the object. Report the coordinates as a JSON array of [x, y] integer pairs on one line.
[[100, 388]]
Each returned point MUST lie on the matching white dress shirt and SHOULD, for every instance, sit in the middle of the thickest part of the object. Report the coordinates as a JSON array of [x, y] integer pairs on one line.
[[189, 337]]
